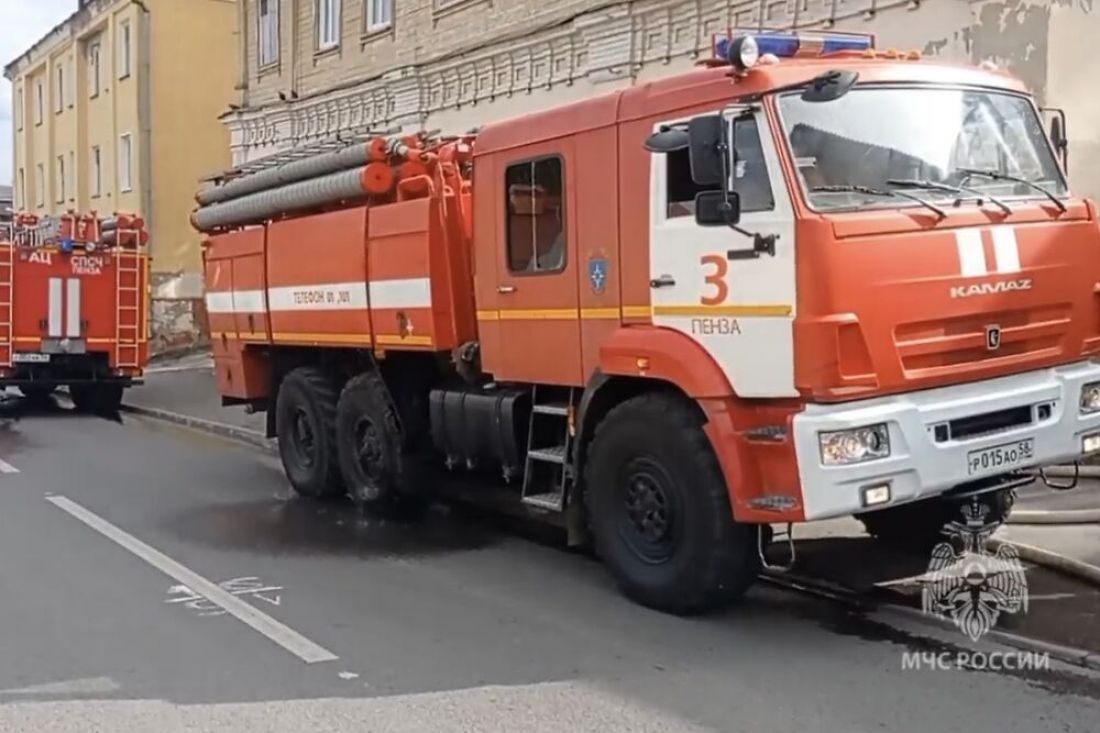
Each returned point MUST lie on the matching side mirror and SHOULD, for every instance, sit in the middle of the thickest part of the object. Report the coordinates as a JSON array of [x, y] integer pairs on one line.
[[707, 136], [713, 208], [1058, 136], [830, 86], [667, 140]]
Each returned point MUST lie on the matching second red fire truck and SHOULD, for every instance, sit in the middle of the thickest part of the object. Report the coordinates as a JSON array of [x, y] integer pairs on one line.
[[810, 280], [73, 306]]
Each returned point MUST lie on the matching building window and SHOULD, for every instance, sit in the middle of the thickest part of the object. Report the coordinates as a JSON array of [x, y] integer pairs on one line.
[[39, 101], [19, 109], [70, 98], [125, 163], [59, 100], [72, 173], [535, 211], [61, 179], [444, 4], [21, 190], [124, 49], [93, 68], [40, 185], [379, 14], [96, 172], [269, 32], [328, 24]]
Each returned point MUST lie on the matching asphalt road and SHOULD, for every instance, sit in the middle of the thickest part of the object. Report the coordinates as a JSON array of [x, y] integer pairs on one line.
[[317, 619]]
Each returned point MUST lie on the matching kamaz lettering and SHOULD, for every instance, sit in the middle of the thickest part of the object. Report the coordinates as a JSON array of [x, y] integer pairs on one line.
[[1002, 286]]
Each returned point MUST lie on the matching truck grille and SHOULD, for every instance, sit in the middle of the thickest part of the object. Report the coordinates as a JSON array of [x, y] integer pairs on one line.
[[989, 423], [932, 347]]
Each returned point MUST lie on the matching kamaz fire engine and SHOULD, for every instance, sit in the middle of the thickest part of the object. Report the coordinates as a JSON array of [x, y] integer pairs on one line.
[[809, 279], [73, 306]]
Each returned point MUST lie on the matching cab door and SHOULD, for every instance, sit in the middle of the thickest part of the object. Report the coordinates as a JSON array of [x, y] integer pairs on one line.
[[537, 282], [707, 282]]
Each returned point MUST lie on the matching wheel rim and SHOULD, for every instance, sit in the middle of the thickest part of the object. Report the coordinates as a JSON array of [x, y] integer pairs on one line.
[[305, 440], [647, 503], [369, 449]]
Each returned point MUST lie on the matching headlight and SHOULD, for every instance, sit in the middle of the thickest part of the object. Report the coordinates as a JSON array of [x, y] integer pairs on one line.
[[743, 52], [854, 446], [1090, 397]]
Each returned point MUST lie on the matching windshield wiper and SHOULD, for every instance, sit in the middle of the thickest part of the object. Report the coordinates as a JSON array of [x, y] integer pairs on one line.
[[880, 192], [937, 186], [998, 176]]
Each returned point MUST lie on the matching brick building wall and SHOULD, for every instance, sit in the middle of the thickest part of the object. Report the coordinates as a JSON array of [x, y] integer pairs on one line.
[[456, 64]]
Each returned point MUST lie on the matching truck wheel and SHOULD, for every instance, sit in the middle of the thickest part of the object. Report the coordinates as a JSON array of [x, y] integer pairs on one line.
[[305, 420], [99, 399], [918, 527], [659, 509], [368, 439]]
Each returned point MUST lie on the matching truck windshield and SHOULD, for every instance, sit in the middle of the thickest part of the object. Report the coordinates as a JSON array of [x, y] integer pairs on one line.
[[876, 137]]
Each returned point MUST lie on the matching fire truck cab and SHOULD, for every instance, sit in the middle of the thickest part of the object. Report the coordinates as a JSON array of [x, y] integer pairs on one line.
[[73, 307], [810, 281]]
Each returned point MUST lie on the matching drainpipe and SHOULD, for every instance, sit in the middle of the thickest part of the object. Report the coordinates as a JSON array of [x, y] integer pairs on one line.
[[145, 114]]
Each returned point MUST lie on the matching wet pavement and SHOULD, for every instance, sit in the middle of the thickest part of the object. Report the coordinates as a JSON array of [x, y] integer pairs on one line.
[[446, 623]]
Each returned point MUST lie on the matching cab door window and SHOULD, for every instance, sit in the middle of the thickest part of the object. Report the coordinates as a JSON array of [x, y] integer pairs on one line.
[[535, 213], [750, 175]]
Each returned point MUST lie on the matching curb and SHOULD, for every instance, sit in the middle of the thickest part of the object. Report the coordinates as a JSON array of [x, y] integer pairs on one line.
[[1067, 654], [242, 435]]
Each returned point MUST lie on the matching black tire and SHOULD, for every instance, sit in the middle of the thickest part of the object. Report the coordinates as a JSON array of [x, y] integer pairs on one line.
[[305, 421], [918, 527], [99, 399], [659, 509], [369, 443]]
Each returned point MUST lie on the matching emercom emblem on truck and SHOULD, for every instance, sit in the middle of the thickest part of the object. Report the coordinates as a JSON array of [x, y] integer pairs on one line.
[[1001, 286]]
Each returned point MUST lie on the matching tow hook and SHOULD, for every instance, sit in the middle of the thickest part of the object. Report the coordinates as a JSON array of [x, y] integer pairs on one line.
[[762, 543], [1072, 483]]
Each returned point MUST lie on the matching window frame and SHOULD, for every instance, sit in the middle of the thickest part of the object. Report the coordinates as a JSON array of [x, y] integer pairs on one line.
[[72, 175], [274, 9], [40, 185], [124, 38], [97, 171], [126, 142], [39, 102], [59, 80], [61, 179], [19, 108], [21, 190], [335, 19], [507, 249], [95, 61], [371, 24]]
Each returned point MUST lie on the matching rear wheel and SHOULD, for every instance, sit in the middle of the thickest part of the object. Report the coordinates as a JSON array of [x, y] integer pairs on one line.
[[102, 398], [305, 420], [659, 509]]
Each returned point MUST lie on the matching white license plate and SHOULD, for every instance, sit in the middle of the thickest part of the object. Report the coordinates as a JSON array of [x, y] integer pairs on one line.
[[999, 457], [30, 358]]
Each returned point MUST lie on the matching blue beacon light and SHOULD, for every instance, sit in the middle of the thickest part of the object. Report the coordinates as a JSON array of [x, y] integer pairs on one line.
[[789, 45]]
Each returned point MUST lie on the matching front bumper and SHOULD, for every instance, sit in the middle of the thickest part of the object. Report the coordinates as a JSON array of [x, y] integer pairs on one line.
[[923, 464]]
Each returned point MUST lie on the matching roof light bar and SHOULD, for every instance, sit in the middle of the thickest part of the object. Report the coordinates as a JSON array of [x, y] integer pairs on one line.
[[791, 44]]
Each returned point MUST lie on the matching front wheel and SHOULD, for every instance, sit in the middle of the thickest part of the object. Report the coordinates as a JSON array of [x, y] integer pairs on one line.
[[101, 399], [659, 509]]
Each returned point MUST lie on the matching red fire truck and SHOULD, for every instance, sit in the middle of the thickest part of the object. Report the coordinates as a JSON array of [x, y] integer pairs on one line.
[[73, 306], [808, 280]]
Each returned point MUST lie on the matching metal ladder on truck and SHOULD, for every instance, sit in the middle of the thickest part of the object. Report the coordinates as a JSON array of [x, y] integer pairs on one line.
[[548, 472], [128, 264], [7, 298]]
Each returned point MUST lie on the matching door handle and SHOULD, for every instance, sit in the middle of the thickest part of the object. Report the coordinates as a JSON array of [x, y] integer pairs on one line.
[[663, 281], [505, 289]]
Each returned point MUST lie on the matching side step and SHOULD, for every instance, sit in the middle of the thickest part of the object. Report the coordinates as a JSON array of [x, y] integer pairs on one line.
[[547, 471]]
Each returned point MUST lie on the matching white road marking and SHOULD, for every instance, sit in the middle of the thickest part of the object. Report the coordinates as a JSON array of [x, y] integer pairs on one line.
[[286, 637], [83, 686], [1051, 596], [348, 675], [6, 467]]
